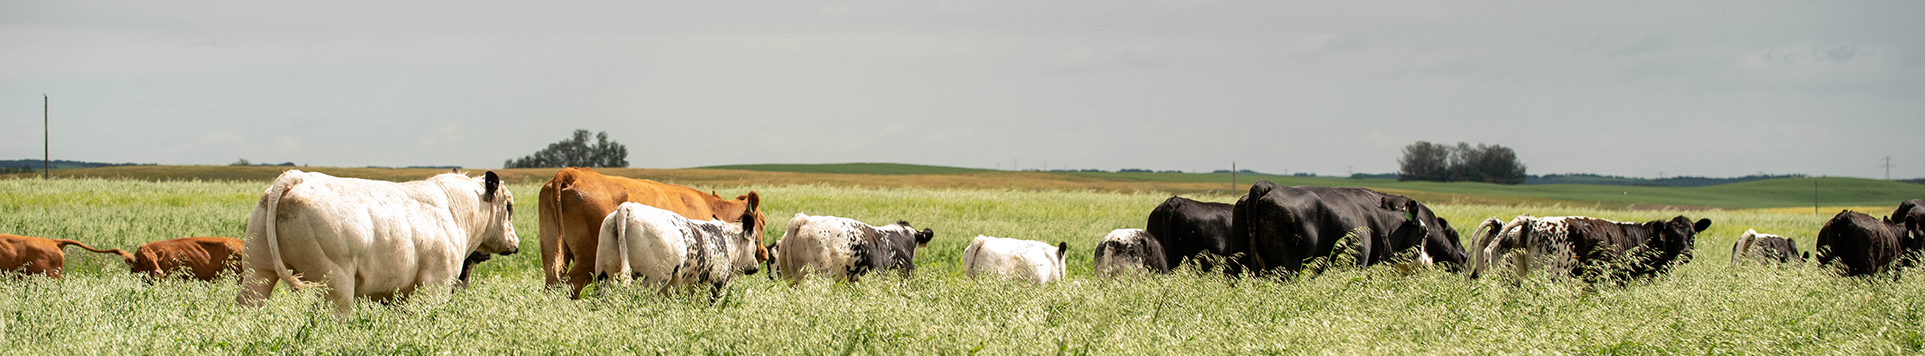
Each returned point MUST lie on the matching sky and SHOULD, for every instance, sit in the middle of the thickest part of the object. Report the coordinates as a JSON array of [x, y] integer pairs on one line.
[[1632, 88]]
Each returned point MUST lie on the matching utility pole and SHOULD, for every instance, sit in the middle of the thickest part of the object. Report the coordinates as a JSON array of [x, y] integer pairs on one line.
[[1233, 177], [1888, 167], [46, 136], [1814, 196]]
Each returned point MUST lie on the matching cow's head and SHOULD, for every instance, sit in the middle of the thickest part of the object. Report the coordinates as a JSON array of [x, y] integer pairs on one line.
[[498, 212], [751, 210], [1420, 228], [1674, 240]]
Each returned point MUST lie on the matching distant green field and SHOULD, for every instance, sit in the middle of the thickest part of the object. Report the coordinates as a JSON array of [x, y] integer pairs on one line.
[[853, 168], [1704, 307], [1775, 193]]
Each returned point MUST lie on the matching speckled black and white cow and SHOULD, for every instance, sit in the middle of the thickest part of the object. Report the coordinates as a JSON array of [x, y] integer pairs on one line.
[[1763, 246], [1129, 251], [1585, 246], [844, 248]]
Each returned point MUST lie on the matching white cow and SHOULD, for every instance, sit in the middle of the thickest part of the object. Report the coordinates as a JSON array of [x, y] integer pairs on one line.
[[845, 248], [1035, 261], [366, 238], [669, 250]]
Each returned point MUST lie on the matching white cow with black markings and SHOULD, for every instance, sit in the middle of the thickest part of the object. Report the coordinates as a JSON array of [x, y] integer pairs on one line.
[[845, 248], [665, 249], [375, 239], [1034, 261]]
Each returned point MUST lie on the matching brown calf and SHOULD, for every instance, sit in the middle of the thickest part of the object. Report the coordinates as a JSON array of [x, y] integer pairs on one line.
[[36, 255], [202, 258]]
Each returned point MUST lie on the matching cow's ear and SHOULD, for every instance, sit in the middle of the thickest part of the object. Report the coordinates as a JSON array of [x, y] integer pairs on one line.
[[755, 200], [1701, 225], [1062, 248], [490, 182]]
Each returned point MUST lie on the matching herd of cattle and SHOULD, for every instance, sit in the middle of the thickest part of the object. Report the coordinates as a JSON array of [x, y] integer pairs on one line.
[[382, 240]]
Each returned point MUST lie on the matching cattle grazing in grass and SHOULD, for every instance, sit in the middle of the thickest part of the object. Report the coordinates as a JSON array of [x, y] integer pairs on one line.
[[375, 239], [202, 258], [671, 251], [1585, 246], [1913, 238], [1129, 251], [1865, 245], [1768, 247], [30, 255], [846, 249], [576, 200], [1033, 261], [1287, 226], [1198, 232]]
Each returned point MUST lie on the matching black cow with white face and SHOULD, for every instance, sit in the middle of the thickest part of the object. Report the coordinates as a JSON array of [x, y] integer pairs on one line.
[[1286, 226], [1189, 230], [1865, 245]]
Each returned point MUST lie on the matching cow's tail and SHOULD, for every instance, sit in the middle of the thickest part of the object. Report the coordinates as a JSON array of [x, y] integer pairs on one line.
[[1481, 240], [1743, 245], [272, 235], [63, 243], [615, 231]]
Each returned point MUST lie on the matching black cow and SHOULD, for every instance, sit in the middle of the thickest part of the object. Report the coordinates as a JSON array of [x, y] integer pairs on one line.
[[1189, 229], [1754, 244], [1862, 244], [1287, 226], [1913, 240], [1586, 246]]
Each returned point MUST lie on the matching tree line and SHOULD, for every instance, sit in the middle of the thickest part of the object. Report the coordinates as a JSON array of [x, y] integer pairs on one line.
[[1426, 161]]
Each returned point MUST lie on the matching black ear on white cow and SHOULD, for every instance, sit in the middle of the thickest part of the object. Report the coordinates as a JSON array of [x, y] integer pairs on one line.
[[1062, 247], [1701, 225], [490, 182]]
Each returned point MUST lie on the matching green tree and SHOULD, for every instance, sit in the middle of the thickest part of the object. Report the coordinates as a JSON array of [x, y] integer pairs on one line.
[[576, 151], [1424, 161]]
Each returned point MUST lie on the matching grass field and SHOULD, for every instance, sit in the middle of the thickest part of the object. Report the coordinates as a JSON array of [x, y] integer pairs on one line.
[[1777, 193], [1705, 307]]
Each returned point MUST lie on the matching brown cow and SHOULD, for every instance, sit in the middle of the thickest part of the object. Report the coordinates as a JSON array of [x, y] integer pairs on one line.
[[36, 255], [204, 258], [574, 203]]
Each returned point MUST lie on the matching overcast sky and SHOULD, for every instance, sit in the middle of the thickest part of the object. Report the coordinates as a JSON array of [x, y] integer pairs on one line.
[[1617, 87]]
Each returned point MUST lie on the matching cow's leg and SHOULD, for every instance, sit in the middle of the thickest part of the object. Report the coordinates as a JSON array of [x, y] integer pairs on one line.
[[256, 286], [341, 292], [549, 209], [580, 275]]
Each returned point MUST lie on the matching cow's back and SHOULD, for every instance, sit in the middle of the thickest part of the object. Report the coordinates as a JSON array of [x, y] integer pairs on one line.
[[1187, 228], [819, 244], [30, 255], [390, 234], [204, 257], [1861, 243]]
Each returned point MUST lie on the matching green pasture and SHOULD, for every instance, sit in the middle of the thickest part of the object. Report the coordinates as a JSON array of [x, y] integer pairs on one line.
[[1774, 193], [853, 168], [1704, 307]]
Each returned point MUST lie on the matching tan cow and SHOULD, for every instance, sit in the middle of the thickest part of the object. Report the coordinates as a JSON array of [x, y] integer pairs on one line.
[[202, 258], [575, 202], [37, 255]]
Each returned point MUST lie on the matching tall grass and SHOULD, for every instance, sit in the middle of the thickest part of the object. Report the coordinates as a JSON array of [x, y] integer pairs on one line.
[[1703, 307]]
